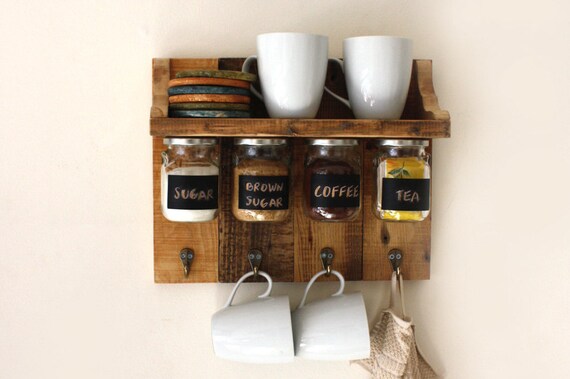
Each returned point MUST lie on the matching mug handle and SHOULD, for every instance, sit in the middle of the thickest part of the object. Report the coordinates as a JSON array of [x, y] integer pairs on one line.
[[267, 292], [339, 98], [314, 278], [245, 68]]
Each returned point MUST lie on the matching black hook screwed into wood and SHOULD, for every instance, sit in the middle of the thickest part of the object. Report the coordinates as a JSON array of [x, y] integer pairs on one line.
[[186, 256], [396, 256], [327, 256], [255, 256]]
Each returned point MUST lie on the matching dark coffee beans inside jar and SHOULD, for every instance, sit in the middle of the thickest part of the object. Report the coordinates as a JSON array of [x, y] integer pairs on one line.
[[332, 179]]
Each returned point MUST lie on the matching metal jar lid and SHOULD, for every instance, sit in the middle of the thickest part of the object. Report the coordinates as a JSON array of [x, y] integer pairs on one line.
[[260, 141], [332, 142], [189, 141], [402, 142]]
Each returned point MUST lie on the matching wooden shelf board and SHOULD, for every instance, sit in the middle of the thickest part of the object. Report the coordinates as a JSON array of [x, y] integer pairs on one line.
[[231, 127]]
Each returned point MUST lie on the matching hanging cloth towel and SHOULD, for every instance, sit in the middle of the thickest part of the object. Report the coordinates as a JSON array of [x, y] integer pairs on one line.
[[393, 350]]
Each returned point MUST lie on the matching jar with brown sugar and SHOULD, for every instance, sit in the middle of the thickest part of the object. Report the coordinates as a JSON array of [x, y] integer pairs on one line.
[[261, 176], [332, 179]]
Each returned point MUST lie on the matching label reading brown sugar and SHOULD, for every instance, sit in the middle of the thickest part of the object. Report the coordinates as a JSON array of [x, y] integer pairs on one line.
[[263, 192]]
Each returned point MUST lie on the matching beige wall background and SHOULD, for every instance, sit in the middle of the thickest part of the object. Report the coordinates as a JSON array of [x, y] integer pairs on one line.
[[77, 297]]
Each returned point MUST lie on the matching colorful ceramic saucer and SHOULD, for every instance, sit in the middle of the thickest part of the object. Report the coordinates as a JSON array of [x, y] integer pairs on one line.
[[211, 106], [207, 98], [207, 114], [209, 82], [217, 74], [187, 90]]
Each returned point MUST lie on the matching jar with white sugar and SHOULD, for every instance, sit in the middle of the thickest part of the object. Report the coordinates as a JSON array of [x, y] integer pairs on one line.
[[190, 179]]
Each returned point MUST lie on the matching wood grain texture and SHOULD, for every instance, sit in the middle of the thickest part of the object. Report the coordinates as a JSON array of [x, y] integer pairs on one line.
[[412, 238], [333, 128], [291, 249], [430, 105], [345, 238], [171, 237], [275, 240], [160, 76], [422, 117]]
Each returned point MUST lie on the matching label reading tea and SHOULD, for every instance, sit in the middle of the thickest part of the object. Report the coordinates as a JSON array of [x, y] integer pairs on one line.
[[192, 192], [405, 194], [335, 191], [268, 193]]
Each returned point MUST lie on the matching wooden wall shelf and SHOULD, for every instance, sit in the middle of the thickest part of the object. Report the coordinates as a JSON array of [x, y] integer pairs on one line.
[[291, 249]]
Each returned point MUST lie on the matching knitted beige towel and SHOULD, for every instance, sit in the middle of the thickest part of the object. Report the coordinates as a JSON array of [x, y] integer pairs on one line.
[[393, 350]]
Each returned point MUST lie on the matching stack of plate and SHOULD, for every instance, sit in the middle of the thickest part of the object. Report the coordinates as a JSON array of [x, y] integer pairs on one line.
[[210, 93]]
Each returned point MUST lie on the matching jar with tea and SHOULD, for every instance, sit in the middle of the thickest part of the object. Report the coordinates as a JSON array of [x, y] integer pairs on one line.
[[189, 179], [261, 172], [402, 173], [332, 179]]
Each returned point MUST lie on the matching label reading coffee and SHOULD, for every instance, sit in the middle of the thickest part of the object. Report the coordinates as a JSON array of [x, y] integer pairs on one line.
[[266, 193], [192, 192], [405, 194], [335, 191]]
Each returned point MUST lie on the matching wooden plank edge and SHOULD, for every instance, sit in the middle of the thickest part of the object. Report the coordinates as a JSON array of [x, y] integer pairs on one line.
[[160, 78], [231, 127]]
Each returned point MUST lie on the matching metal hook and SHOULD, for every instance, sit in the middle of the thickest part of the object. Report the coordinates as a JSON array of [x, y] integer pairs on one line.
[[255, 256], [327, 256], [396, 256], [186, 256]]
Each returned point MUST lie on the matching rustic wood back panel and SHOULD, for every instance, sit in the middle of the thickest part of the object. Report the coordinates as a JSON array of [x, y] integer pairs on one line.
[[291, 249]]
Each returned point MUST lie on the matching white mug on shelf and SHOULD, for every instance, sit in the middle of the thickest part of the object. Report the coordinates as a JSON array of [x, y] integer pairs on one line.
[[259, 331], [335, 328], [292, 69], [378, 70]]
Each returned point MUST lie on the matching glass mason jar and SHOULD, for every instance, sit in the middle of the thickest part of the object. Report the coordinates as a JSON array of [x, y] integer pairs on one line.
[[261, 172], [402, 174], [332, 179], [189, 179]]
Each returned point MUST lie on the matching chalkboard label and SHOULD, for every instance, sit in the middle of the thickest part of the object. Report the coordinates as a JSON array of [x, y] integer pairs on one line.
[[335, 191], [267, 193], [192, 192], [405, 194]]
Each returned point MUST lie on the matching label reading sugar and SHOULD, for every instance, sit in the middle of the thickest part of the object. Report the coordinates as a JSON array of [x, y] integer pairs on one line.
[[405, 194], [335, 191], [192, 192], [267, 193]]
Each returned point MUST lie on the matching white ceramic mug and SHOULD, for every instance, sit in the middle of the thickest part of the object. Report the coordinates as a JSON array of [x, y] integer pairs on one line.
[[377, 70], [292, 69], [335, 328], [255, 332]]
